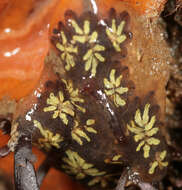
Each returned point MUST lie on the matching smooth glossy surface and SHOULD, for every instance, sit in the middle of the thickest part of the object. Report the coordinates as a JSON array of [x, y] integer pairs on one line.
[[24, 43]]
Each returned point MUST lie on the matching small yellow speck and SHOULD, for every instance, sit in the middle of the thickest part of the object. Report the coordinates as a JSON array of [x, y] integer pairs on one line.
[[116, 157]]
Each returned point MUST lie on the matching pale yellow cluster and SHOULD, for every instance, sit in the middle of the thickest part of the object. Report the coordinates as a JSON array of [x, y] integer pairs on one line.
[[115, 34], [68, 52], [144, 130], [74, 95], [77, 131], [114, 88], [49, 139], [83, 35], [76, 165], [60, 107], [159, 162], [92, 57]]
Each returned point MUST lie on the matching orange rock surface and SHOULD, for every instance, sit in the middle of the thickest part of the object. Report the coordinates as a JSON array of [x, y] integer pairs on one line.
[[24, 44]]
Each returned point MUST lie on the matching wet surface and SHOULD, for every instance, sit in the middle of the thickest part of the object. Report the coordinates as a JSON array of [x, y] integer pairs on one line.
[[106, 110]]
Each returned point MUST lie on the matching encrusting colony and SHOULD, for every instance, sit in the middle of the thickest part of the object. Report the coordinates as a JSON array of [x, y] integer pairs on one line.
[[91, 104]]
